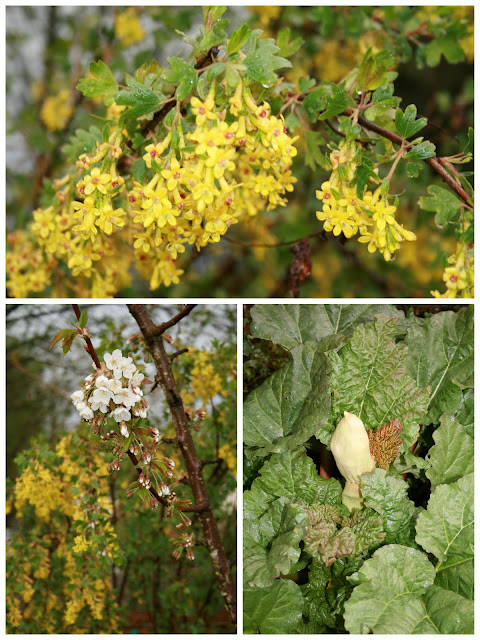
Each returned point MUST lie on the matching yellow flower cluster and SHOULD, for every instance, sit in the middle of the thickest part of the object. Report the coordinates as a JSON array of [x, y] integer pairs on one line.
[[370, 216], [63, 487], [223, 173], [78, 232], [235, 164], [205, 382], [229, 453], [57, 110], [459, 276], [128, 28]]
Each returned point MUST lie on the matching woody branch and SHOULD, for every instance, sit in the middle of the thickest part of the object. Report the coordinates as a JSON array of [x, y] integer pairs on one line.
[[213, 542]]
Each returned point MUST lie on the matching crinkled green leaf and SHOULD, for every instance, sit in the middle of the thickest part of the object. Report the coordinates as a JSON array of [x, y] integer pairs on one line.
[[139, 98], [406, 122], [289, 407], [103, 83], [329, 537], [262, 62], [183, 74], [271, 543], [446, 612], [276, 609], [389, 596], [291, 324], [463, 412], [443, 202], [451, 457], [291, 475], [387, 495], [440, 355], [445, 529], [369, 379]]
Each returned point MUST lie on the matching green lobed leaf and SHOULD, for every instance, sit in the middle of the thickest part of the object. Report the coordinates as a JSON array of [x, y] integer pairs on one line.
[[139, 98], [103, 83], [363, 172], [289, 407], [440, 355], [421, 151], [372, 72], [288, 47], [276, 609], [183, 74], [313, 103], [446, 46], [335, 103], [387, 495], [261, 62], [314, 157], [443, 202], [406, 123], [292, 324], [238, 39], [445, 529], [451, 457], [369, 379]]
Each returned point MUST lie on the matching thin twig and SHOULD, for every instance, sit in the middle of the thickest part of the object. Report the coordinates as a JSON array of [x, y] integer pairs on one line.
[[433, 162]]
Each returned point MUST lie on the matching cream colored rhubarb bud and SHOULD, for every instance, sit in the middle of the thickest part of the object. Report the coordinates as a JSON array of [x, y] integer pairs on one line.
[[351, 449]]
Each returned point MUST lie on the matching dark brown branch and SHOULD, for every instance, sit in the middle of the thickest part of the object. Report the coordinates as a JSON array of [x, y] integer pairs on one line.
[[90, 347], [193, 464], [172, 356], [161, 328], [433, 162]]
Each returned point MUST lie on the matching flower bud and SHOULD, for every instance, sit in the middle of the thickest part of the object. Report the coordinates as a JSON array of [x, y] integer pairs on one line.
[[351, 449]]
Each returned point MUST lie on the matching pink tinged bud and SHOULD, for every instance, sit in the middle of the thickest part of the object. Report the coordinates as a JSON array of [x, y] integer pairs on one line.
[[124, 430]]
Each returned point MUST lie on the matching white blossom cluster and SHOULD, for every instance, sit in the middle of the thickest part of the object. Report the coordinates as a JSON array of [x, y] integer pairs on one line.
[[113, 392]]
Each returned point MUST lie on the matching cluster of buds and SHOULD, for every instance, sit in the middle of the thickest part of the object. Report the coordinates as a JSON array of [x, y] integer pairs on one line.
[[185, 542], [195, 417]]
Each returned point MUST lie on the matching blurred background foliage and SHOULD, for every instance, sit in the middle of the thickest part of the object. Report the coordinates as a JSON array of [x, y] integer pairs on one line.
[[155, 593], [48, 51]]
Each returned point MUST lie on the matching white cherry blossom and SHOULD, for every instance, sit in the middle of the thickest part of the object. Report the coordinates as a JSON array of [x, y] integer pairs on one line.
[[129, 369], [114, 362], [102, 382], [77, 396], [115, 385], [136, 380], [86, 414], [99, 406], [101, 395], [121, 414], [125, 397]]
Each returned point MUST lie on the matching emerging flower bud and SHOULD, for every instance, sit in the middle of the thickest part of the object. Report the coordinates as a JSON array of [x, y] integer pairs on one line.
[[351, 449]]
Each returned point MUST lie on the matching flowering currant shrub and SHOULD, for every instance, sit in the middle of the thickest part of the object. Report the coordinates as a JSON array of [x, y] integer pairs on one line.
[[242, 136], [106, 535], [358, 503]]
